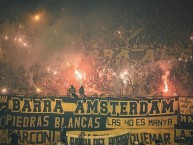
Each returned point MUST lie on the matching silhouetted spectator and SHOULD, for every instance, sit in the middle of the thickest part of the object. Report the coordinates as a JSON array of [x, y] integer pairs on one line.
[[72, 90], [82, 92]]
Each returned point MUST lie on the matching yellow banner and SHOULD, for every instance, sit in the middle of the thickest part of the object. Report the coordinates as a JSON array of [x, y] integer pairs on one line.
[[141, 122], [122, 137], [186, 105], [3, 136]]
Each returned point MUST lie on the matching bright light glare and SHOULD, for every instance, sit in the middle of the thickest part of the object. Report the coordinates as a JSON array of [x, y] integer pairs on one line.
[[55, 72], [6, 37], [165, 86], [191, 38], [78, 75], [38, 90], [24, 44], [37, 17], [48, 68], [165, 78], [123, 75], [68, 63], [4, 90]]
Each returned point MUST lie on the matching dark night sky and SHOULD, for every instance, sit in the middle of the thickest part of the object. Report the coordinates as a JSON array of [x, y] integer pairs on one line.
[[10, 9], [99, 18]]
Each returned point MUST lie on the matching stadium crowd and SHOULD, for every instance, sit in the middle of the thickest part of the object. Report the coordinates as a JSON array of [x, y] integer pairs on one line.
[[98, 76], [131, 28]]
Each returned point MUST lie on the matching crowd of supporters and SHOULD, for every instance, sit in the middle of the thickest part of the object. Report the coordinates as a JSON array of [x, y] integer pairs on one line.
[[99, 77], [139, 26]]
